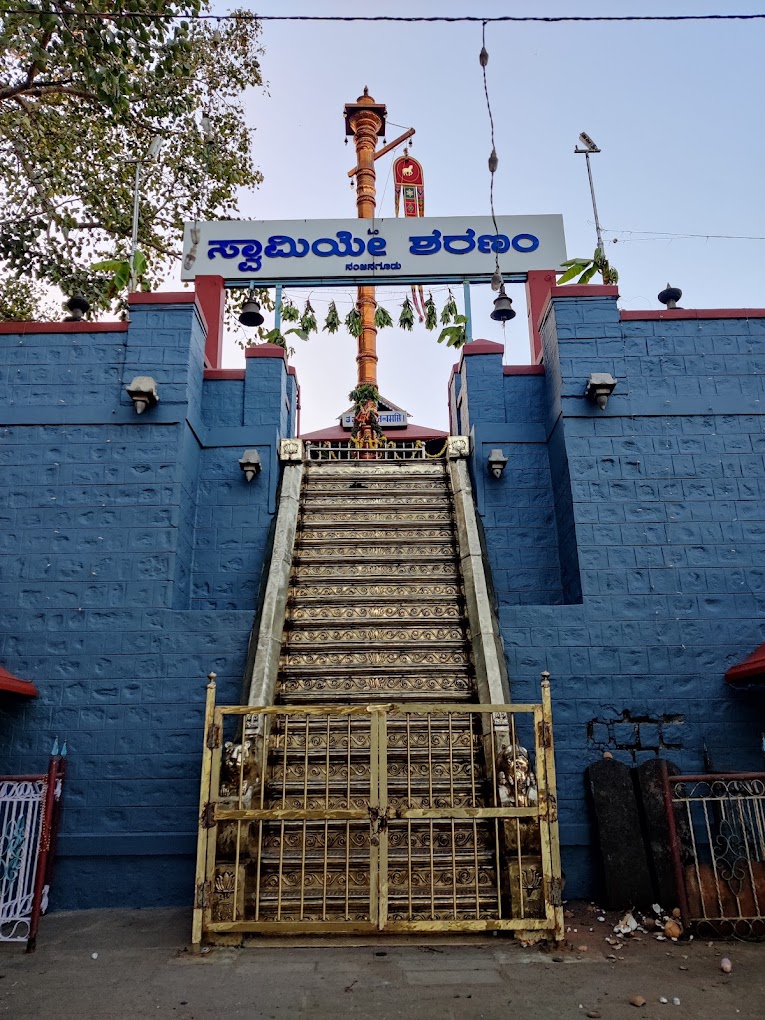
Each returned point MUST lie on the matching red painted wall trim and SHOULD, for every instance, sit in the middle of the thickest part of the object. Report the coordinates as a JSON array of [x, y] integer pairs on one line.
[[224, 373], [162, 297], [30, 328], [696, 313], [266, 351], [170, 297], [538, 284], [523, 370], [588, 290], [482, 347], [211, 297]]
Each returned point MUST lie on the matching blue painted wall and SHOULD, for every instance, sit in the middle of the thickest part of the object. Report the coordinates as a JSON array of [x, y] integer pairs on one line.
[[628, 545], [131, 551], [627, 548]]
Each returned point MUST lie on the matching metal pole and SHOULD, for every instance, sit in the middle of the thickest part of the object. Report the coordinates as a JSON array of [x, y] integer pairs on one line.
[[594, 206], [468, 311], [134, 244]]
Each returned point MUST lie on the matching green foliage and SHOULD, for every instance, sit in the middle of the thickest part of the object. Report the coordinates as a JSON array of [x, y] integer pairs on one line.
[[308, 320], [353, 322], [25, 301], [332, 321], [585, 269], [382, 318], [361, 394], [81, 98], [454, 336], [289, 311], [406, 319], [450, 311], [120, 270], [275, 336], [431, 313]]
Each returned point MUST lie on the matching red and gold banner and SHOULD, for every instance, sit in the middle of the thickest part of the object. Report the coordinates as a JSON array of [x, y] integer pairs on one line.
[[410, 183]]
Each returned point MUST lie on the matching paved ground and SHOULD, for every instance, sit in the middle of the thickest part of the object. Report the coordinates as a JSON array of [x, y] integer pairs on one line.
[[143, 969]]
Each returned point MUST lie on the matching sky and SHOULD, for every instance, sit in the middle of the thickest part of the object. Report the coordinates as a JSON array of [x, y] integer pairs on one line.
[[675, 108]]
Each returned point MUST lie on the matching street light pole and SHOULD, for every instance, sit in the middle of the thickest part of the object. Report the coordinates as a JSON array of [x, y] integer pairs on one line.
[[589, 148], [134, 242], [156, 142]]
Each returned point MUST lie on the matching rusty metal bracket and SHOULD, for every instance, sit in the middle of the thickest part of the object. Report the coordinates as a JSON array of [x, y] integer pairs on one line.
[[556, 892], [203, 895], [545, 733], [213, 737]]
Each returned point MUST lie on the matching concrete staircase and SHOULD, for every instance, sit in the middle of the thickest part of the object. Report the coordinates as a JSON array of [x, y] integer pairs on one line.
[[376, 613]]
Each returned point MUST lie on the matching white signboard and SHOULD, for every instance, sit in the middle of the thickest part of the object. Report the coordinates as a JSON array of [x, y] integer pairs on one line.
[[463, 247]]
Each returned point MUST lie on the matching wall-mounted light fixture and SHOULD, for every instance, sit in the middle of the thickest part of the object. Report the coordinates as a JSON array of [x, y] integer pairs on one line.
[[250, 464], [599, 388], [143, 392], [497, 463]]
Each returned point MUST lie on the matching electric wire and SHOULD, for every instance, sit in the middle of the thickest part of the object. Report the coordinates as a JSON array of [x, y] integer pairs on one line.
[[394, 19], [663, 235]]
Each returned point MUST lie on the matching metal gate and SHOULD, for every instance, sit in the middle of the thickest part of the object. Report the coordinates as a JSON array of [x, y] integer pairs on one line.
[[717, 837], [392, 818], [28, 822]]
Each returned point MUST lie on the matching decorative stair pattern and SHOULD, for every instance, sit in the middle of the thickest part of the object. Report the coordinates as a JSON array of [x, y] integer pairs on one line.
[[375, 613]]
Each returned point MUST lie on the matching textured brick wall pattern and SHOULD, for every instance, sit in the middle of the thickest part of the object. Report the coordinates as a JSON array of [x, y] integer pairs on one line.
[[656, 509], [131, 552]]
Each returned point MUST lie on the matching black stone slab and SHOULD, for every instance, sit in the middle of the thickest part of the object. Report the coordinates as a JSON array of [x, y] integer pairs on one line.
[[626, 878], [656, 829]]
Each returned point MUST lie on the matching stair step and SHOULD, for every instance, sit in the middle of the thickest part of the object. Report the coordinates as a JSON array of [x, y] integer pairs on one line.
[[333, 689], [391, 571], [361, 550], [408, 634], [356, 516], [346, 501], [392, 614], [339, 592], [373, 658]]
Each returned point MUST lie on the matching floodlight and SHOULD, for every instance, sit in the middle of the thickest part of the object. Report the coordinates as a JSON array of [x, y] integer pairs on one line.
[[588, 143]]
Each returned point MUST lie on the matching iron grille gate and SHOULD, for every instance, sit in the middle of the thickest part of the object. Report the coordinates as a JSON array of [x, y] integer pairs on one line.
[[717, 836], [395, 818]]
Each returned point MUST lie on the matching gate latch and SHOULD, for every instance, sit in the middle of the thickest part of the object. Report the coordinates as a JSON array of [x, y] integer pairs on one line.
[[378, 820]]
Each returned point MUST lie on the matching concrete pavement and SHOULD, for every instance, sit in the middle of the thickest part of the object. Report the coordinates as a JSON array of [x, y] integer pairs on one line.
[[144, 969]]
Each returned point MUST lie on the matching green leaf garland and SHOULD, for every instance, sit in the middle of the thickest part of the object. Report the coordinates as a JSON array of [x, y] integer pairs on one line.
[[382, 318], [353, 322], [332, 321], [308, 319], [431, 314], [406, 319]]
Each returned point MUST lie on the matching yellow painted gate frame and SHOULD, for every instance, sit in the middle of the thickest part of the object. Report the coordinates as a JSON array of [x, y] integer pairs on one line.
[[376, 811]]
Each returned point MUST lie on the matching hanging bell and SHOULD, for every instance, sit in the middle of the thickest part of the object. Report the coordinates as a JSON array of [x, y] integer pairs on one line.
[[250, 313], [503, 307]]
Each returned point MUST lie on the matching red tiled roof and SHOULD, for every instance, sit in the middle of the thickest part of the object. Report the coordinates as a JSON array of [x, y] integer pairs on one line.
[[336, 433], [12, 685]]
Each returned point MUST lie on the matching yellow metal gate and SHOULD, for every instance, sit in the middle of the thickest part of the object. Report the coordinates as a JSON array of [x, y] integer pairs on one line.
[[394, 818]]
